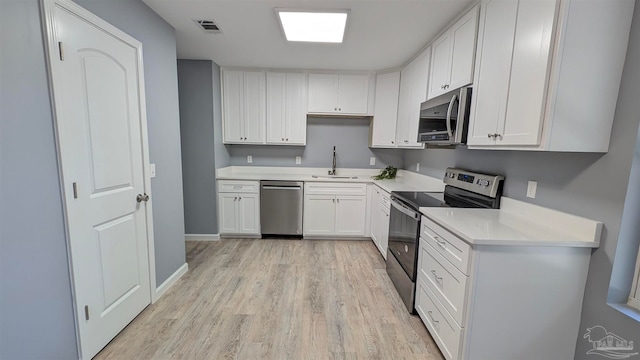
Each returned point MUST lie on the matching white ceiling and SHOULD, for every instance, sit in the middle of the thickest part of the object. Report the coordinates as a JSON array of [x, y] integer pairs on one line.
[[380, 34]]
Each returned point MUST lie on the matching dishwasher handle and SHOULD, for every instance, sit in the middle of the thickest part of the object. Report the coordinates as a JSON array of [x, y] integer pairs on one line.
[[274, 187]]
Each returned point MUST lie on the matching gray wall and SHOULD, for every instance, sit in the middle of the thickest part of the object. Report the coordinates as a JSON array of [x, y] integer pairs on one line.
[[161, 85], [589, 185], [196, 129], [36, 315], [350, 136], [35, 299]]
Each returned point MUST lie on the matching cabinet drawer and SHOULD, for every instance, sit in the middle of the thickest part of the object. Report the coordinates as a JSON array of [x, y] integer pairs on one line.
[[385, 200], [441, 326], [447, 283], [323, 188], [454, 249], [234, 186]]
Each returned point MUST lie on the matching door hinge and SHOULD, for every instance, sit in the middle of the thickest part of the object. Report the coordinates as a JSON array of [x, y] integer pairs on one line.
[[75, 190], [86, 312], [61, 50]]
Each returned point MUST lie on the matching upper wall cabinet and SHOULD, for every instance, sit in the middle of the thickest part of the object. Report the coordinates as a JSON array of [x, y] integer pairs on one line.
[[539, 85], [243, 107], [338, 94], [413, 91], [385, 113], [453, 55], [286, 108]]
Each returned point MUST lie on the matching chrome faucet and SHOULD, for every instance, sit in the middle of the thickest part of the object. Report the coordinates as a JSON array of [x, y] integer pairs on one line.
[[333, 169]]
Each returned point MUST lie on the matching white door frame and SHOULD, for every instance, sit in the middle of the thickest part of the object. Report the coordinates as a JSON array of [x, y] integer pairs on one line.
[[52, 54]]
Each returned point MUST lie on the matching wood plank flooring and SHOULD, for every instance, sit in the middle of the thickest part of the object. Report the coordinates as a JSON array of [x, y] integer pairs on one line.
[[278, 299]]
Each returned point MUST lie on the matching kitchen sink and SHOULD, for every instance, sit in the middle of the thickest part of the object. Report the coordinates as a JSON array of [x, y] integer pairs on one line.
[[333, 177]]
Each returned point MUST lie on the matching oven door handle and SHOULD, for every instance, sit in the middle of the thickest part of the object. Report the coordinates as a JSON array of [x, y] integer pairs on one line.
[[405, 210], [453, 100]]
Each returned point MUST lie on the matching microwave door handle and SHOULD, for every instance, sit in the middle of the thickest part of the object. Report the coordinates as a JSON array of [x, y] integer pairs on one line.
[[453, 101]]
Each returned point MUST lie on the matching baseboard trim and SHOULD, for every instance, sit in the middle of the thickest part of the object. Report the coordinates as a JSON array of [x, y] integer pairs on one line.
[[162, 289], [202, 237]]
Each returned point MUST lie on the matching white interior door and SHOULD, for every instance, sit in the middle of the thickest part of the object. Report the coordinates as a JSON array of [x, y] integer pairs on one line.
[[100, 119]]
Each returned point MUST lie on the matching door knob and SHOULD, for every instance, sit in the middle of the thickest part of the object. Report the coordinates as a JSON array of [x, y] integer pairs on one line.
[[141, 198]]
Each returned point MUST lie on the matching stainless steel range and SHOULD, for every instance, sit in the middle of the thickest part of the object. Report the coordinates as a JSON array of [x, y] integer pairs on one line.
[[464, 189]]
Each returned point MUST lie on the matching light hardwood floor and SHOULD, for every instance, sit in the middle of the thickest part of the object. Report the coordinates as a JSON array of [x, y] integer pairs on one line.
[[277, 299]]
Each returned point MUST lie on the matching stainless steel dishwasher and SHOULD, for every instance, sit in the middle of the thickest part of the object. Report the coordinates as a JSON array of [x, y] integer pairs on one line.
[[281, 205]]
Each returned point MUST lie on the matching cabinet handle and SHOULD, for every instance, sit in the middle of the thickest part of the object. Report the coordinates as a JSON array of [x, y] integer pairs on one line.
[[498, 136], [441, 243], [431, 316], [339, 109], [282, 139], [239, 198], [491, 135], [335, 109], [287, 139], [436, 275], [393, 142], [338, 200], [235, 198]]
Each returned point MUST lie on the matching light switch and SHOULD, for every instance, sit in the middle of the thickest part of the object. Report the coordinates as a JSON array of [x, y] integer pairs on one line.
[[152, 170], [298, 160], [249, 159], [372, 160]]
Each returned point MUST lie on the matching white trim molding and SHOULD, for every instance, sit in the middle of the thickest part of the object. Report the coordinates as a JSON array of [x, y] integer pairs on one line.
[[202, 237], [162, 289]]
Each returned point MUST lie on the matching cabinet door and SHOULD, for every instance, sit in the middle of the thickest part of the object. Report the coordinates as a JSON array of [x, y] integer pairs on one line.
[[375, 208], [254, 107], [383, 220], [323, 93], [353, 94], [249, 214], [319, 215], [463, 48], [404, 105], [385, 115], [276, 107], [228, 213], [493, 68], [350, 215], [233, 105], [418, 96], [440, 65], [530, 64], [296, 110]]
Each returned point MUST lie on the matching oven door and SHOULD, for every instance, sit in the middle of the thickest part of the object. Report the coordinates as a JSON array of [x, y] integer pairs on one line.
[[404, 228]]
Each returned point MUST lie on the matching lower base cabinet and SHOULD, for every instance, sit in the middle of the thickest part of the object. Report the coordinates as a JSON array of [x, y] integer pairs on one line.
[[380, 206], [528, 297], [335, 209], [239, 211]]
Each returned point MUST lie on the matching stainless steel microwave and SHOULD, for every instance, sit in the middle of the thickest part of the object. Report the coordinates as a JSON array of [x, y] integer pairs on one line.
[[444, 120]]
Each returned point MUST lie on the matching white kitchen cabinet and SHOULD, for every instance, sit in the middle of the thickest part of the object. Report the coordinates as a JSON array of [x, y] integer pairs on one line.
[[338, 94], [385, 114], [453, 55], [286, 116], [380, 207], [526, 95], [466, 294], [239, 207], [244, 110], [335, 209], [414, 79]]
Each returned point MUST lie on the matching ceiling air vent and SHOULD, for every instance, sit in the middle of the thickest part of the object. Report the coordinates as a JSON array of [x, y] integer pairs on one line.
[[209, 26]]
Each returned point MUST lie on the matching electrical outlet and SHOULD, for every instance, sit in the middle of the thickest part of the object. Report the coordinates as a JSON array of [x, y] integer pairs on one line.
[[298, 160], [372, 161], [532, 186], [417, 166], [249, 159], [152, 170]]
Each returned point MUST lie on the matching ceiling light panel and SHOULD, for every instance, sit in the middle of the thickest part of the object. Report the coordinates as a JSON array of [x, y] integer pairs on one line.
[[313, 26]]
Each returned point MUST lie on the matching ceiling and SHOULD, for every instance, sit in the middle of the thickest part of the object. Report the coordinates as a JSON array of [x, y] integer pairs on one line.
[[380, 34]]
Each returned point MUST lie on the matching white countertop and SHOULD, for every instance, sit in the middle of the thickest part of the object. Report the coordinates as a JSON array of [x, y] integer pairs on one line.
[[404, 181], [517, 223]]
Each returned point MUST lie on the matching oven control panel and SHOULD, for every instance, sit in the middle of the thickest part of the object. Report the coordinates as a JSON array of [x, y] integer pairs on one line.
[[484, 184]]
